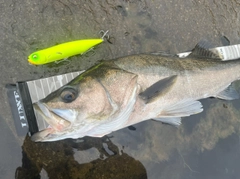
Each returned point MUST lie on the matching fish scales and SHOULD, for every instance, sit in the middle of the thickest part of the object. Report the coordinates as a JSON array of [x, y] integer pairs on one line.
[[117, 93]]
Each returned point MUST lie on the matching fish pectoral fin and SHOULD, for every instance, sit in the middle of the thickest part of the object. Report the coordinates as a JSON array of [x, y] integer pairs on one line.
[[175, 121], [181, 109], [202, 49], [229, 93], [158, 89]]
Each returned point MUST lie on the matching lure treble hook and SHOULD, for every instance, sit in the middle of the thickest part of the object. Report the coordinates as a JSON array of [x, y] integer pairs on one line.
[[104, 34]]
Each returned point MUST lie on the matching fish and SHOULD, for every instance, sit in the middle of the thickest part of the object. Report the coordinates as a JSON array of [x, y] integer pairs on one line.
[[62, 51], [118, 93]]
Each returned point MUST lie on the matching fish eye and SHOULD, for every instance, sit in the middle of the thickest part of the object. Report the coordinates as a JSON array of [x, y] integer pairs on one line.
[[68, 95]]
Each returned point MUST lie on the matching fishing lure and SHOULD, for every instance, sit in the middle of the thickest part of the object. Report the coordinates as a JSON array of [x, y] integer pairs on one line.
[[62, 51]]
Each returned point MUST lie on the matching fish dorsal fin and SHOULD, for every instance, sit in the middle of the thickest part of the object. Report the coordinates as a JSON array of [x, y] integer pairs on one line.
[[225, 41], [229, 93], [163, 53], [202, 50], [157, 89]]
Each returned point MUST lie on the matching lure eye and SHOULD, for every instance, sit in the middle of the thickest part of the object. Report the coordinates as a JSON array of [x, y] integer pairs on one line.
[[34, 56], [68, 95]]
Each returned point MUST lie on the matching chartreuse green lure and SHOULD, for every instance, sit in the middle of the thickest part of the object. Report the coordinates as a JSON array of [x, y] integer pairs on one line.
[[62, 51]]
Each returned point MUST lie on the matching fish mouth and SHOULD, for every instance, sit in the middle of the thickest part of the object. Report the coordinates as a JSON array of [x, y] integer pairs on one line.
[[59, 121]]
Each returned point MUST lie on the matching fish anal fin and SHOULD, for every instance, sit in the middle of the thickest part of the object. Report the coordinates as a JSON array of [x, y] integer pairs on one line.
[[158, 89], [229, 93]]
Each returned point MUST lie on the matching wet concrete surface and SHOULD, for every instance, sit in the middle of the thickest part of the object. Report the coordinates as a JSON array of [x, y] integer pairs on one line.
[[205, 146]]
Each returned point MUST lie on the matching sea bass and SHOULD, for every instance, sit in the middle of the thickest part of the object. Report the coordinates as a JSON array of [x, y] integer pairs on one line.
[[118, 93]]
